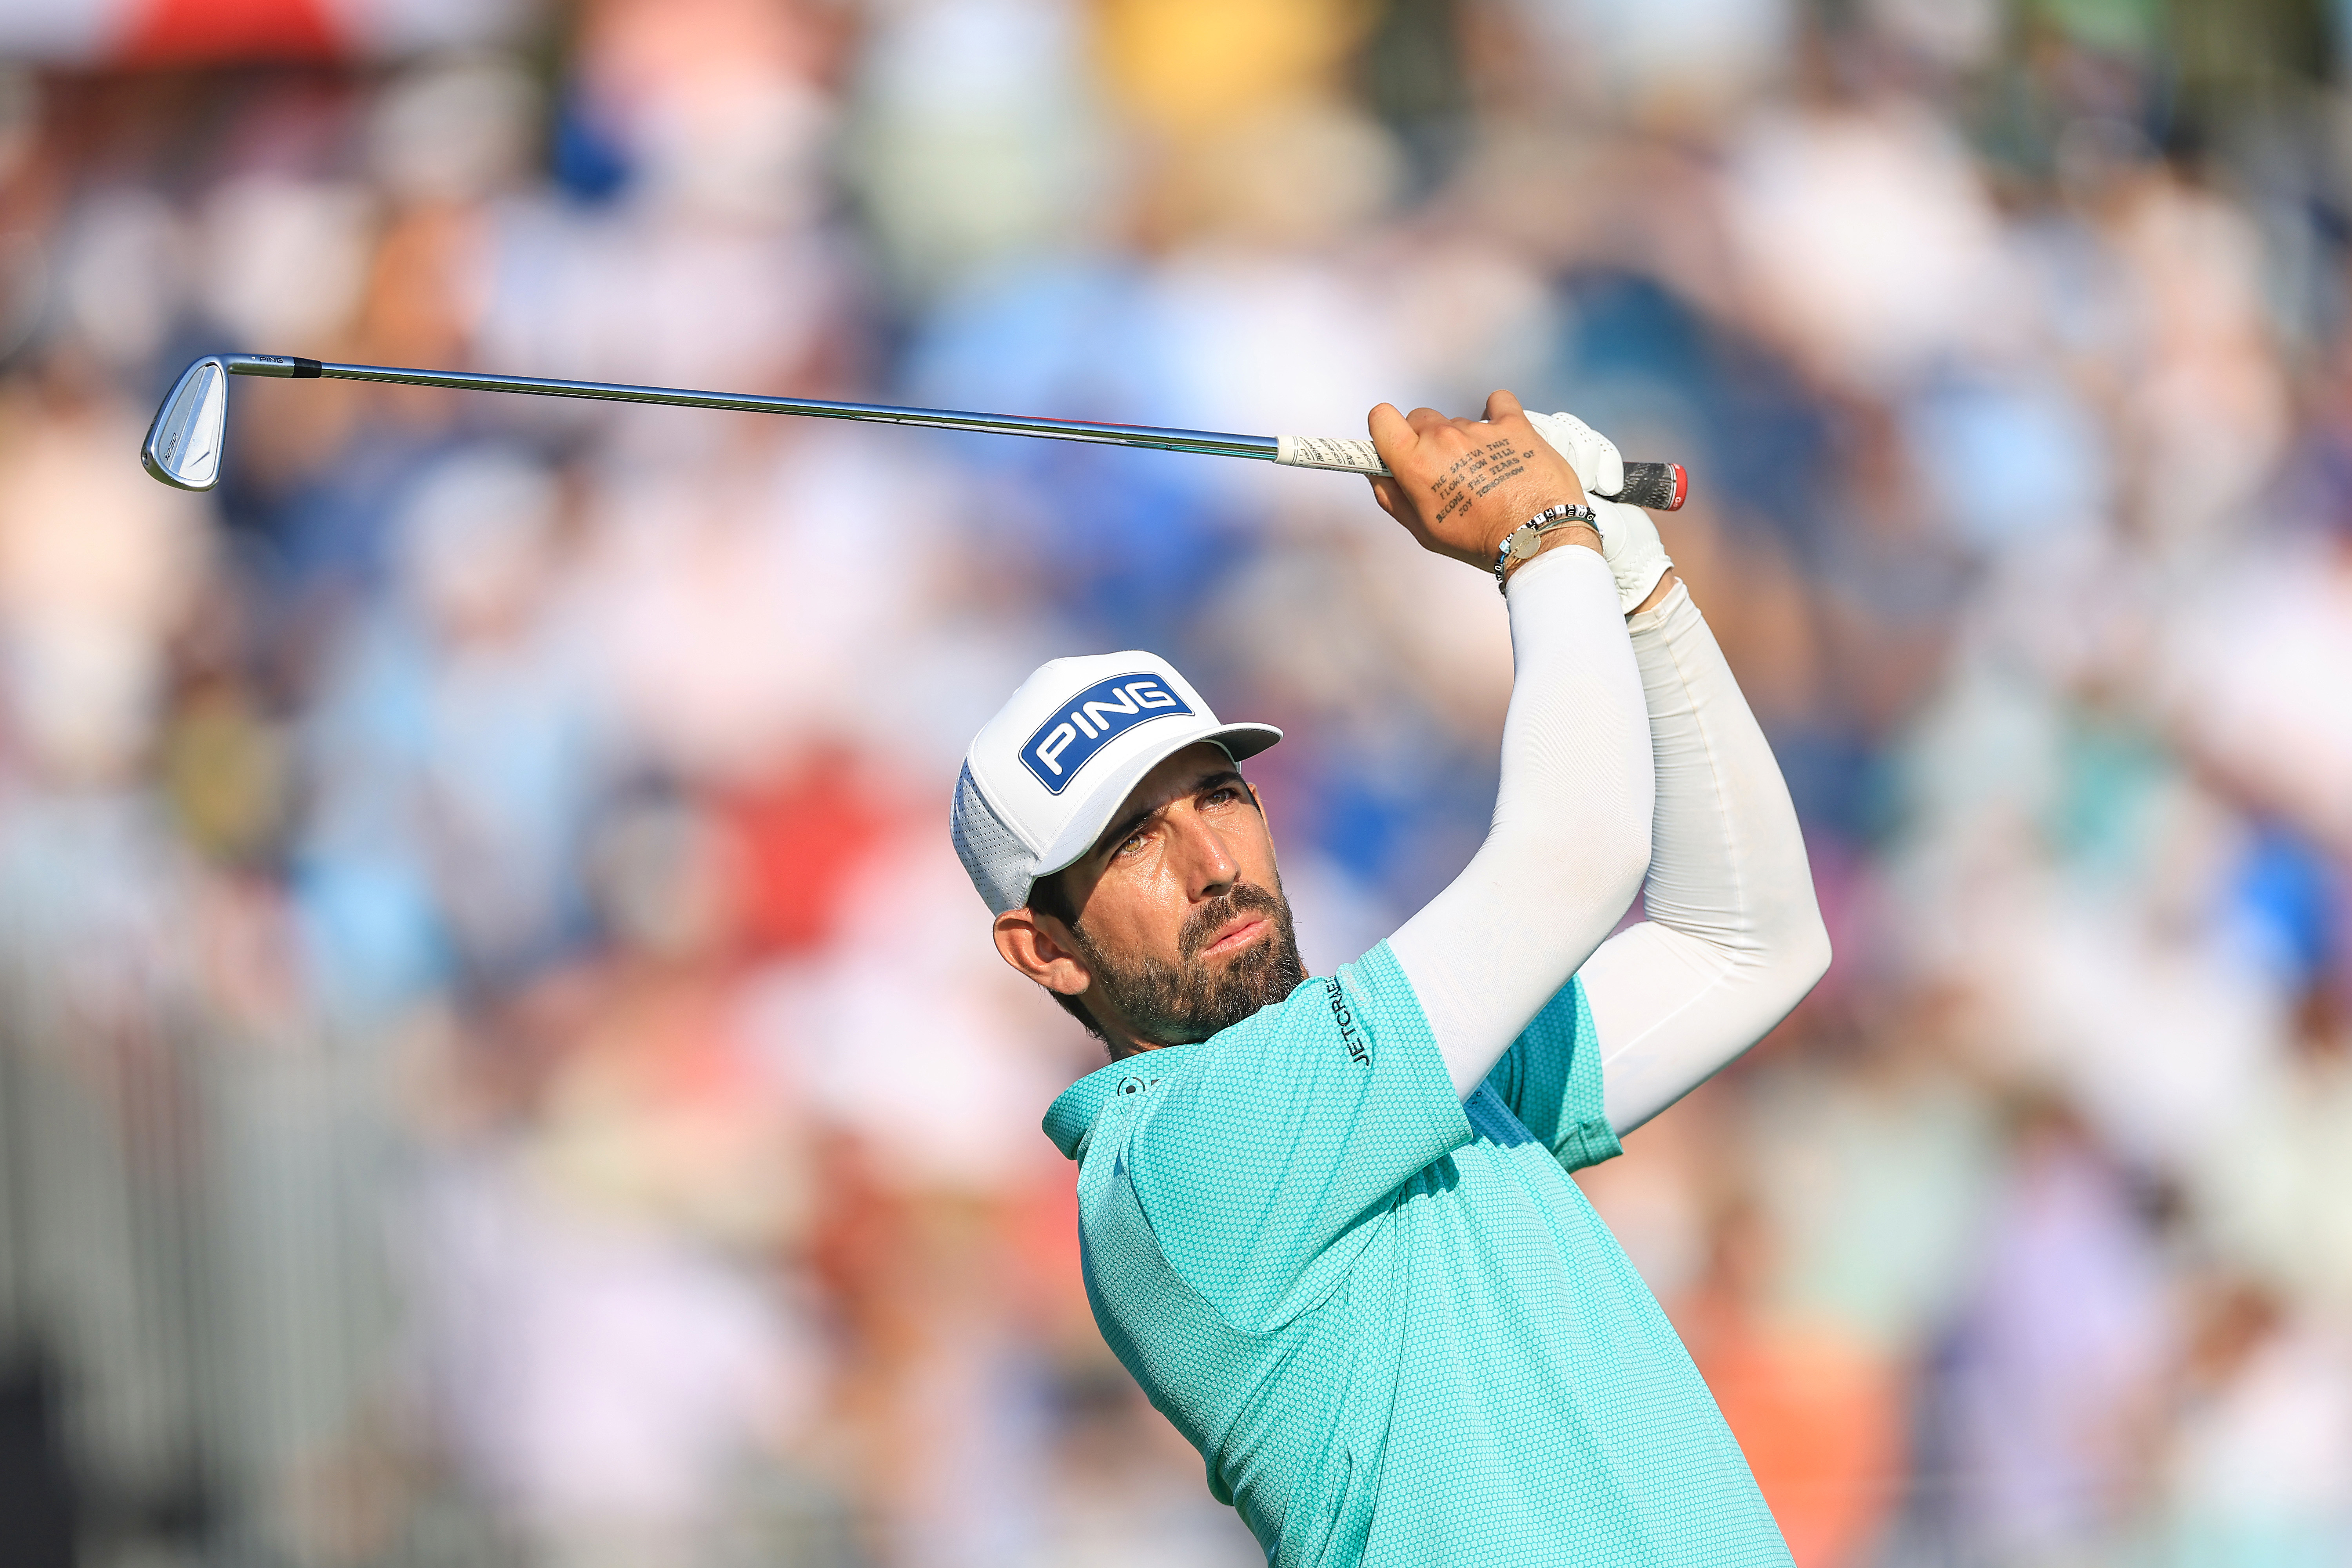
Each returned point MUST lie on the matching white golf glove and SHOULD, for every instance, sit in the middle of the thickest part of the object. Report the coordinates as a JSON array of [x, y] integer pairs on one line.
[[1629, 540], [1594, 456], [1629, 543]]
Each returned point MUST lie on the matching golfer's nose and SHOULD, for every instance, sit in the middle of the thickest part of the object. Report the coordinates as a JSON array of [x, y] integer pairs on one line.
[[1208, 866]]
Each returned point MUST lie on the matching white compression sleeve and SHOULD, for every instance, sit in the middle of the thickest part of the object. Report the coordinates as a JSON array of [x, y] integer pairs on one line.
[[1734, 938], [1570, 835]]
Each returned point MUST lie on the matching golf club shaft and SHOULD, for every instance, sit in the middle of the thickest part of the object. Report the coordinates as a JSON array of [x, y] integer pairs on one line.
[[1658, 485], [1211, 443]]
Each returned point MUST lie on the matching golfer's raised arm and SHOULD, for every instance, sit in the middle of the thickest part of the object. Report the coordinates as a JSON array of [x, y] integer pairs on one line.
[[1570, 835], [1734, 938]]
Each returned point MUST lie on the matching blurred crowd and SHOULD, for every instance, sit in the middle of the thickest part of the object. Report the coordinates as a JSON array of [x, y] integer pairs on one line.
[[499, 1061]]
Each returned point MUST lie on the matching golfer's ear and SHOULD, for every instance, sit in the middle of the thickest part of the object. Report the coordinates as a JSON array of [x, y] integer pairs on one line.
[[1036, 949]]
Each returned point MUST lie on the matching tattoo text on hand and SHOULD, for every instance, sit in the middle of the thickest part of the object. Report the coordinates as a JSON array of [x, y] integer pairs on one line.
[[1476, 474]]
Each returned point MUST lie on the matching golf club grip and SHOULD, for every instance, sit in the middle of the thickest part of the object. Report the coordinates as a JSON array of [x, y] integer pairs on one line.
[[1661, 487]]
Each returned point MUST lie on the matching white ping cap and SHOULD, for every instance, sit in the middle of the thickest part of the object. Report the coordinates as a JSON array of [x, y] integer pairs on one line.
[[1045, 777]]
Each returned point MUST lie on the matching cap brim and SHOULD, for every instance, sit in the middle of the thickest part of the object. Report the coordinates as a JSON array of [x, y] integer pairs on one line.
[[1079, 836]]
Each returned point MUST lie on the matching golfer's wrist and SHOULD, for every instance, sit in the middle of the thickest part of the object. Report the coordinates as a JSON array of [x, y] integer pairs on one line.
[[1500, 517], [1538, 531], [1574, 534]]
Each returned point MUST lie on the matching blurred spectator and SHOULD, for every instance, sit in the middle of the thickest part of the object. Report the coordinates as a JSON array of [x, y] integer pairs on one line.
[[1818, 1414], [96, 571], [502, 1062], [2261, 1444], [455, 748], [2060, 1355], [2273, 1205]]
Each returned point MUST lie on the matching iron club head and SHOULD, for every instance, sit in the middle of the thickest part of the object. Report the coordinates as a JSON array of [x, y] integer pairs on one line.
[[183, 446]]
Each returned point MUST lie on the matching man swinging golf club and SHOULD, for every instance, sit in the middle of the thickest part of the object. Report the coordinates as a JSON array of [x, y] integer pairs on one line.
[[1329, 1225]]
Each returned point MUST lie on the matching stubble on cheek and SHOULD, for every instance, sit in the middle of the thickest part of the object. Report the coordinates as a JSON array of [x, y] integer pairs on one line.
[[1194, 998]]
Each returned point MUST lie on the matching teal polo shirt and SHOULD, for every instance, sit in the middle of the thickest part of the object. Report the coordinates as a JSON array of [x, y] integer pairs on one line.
[[1394, 1329]]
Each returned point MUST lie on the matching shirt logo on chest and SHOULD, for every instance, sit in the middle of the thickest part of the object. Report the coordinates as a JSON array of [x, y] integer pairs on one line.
[[1344, 1017]]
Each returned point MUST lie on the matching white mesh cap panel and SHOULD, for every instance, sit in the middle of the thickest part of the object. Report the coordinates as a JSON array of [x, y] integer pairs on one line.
[[1000, 865]]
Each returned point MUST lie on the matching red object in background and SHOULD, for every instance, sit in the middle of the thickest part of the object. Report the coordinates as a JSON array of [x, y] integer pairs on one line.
[[1820, 1420], [803, 837], [1819, 1414], [207, 32]]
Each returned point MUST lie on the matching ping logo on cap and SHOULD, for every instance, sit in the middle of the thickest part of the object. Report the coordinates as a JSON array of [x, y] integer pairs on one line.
[[1089, 720]]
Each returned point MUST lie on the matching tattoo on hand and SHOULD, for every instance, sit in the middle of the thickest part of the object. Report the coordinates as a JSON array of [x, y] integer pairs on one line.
[[1476, 474]]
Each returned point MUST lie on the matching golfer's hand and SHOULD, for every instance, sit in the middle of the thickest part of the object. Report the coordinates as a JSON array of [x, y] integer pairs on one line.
[[1629, 540], [1460, 485]]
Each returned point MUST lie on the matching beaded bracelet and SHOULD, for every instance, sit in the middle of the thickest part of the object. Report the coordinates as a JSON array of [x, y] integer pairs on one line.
[[1528, 538]]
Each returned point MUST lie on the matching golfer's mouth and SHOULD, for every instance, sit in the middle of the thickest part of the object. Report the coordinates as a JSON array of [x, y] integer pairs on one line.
[[1237, 934]]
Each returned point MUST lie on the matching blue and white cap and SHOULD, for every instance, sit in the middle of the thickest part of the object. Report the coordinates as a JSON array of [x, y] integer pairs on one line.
[[1043, 777]]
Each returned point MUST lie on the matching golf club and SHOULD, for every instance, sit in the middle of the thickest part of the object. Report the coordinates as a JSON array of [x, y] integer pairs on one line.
[[185, 444]]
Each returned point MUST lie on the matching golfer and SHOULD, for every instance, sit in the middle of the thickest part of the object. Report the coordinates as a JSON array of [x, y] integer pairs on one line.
[[1327, 1224]]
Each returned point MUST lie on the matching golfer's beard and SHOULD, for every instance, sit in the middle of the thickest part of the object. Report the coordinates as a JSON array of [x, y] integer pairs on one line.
[[1191, 999]]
